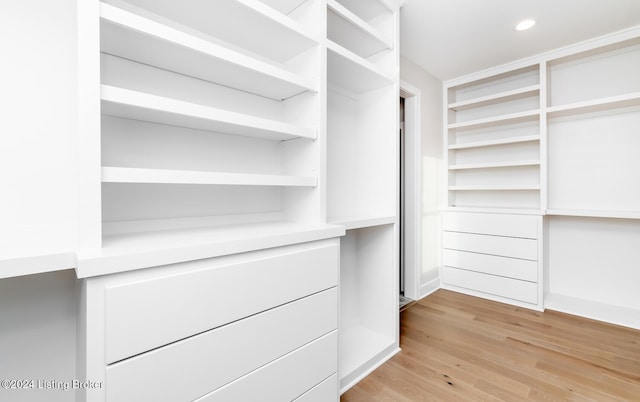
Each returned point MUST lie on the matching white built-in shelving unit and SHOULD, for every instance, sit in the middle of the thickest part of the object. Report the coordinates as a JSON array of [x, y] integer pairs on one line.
[[204, 128], [554, 135], [362, 153], [207, 141], [493, 138]]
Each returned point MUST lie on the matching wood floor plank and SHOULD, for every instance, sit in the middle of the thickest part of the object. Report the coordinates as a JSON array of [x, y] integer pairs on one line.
[[462, 348]]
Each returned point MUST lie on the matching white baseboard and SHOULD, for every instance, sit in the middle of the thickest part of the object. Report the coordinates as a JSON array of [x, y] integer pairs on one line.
[[427, 288], [624, 316]]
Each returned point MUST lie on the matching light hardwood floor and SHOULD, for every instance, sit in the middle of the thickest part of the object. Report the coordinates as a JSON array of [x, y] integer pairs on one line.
[[461, 348]]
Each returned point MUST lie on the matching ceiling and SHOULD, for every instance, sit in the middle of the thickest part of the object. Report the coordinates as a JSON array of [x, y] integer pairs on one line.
[[450, 38]]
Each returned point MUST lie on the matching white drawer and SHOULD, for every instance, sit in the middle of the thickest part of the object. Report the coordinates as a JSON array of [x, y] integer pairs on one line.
[[495, 245], [515, 268], [496, 285], [326, 391], [191, 368], [152, 309], [525, 226], [286, 378]]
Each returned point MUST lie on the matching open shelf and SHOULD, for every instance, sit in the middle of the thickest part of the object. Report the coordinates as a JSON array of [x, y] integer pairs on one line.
[[496, 187], [165, 176], [496, 98], [136, 38], [595, 105], [284, 6], [274, 36], [357, 222], [35, 260], [494, 165], [369, 342], [352, 32], [125, 252], [595, 213], [496, 210], [368, 301], [490, 143], [136, 105], [497, 120], [352, 72]]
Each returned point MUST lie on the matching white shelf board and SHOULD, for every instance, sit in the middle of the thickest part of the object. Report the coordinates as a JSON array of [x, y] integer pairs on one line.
[[358, 345], [358, 222], [496, 187], [594, 213], [353, 33], [498, 120], [165, 176], [131, 251], [35, 261], [135, 105], [494, 165], [352, 72], [489, 143], [496, 210], [496, 98], [134, 37], [367, 10], [272, 35], [596, 105], [284, 6]]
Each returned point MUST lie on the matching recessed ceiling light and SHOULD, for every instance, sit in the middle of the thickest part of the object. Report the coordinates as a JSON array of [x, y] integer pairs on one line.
[[524, 25]]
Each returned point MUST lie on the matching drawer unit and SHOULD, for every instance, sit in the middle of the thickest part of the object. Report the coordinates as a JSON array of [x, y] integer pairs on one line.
[[491, 284], [323, 392], [265, 321], [514, 247], [516, 268], [301, 371], [497, 256], [186, 370], [210, 293]]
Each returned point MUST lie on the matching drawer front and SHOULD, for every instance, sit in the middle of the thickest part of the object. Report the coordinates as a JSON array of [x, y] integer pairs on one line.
[[191, 368], [286, 378], [147, 313], [326, 391], [525, 226], [495, 285], [515, 268], [495, 245]]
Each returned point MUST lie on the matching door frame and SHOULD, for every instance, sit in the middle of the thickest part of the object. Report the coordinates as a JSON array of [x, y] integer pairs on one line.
[[412, 225]]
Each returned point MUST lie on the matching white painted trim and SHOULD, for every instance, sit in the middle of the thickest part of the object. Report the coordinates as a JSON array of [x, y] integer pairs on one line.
[[88, 125], [617, 315], [604, 40], [413, 188], [428, 288], [371, 369], [488, 296]]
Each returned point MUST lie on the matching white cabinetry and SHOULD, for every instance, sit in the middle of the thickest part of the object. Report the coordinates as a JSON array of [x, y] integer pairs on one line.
[[593, 120], [216, 328], [496, 183], [362, 170], [210, 137], [493, 138], [497, 256], [594, 198], [219, 139], [552, 135]]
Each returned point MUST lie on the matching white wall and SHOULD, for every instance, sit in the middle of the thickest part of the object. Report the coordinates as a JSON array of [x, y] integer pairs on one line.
[[432, 159], [38, 196], [37, 128], [38, 334]]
